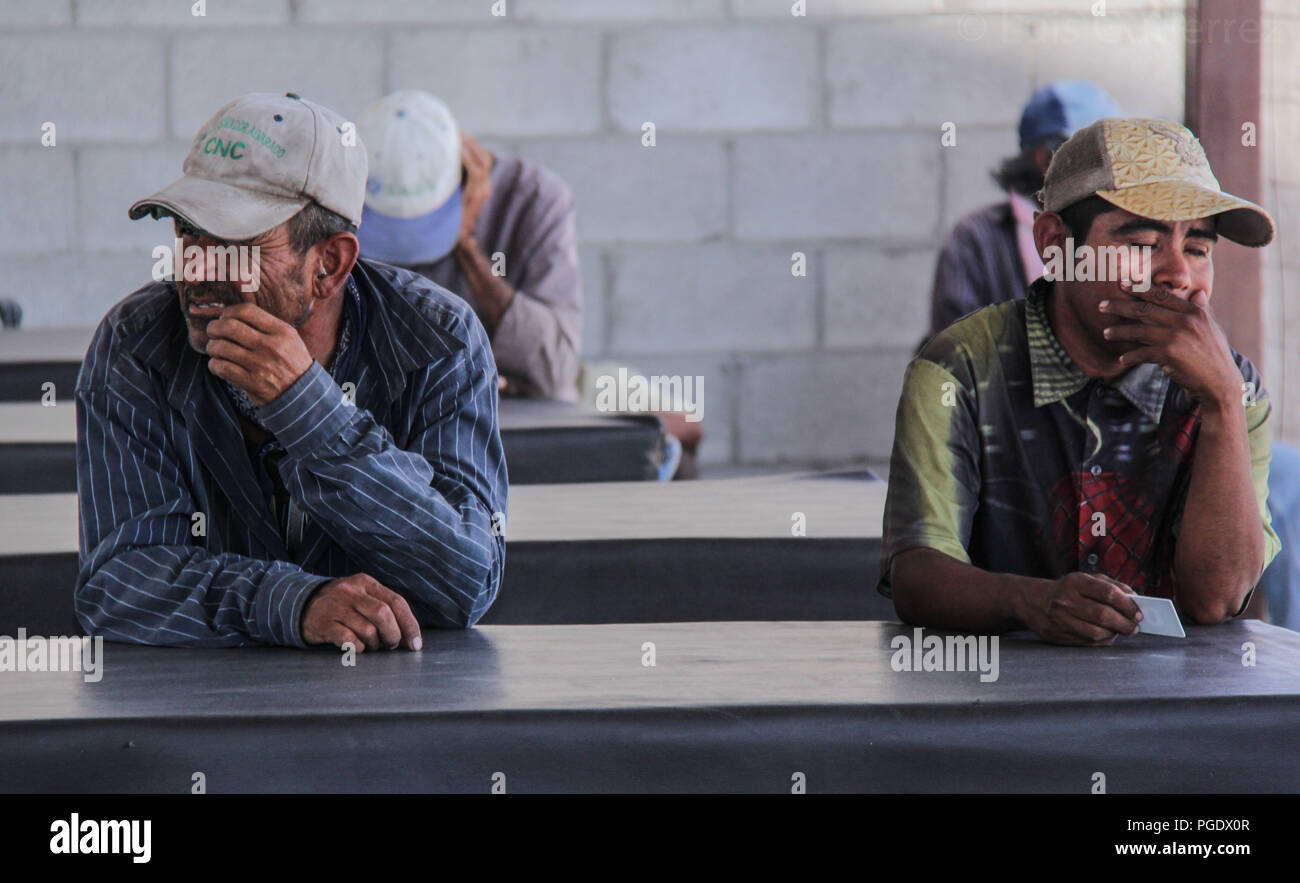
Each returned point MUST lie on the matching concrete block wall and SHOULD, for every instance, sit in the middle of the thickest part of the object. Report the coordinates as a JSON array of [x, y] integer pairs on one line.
[[1279, 135], [775, 133]]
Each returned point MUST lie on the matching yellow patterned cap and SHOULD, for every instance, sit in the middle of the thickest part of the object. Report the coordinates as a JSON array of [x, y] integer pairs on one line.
[[1152, 168]]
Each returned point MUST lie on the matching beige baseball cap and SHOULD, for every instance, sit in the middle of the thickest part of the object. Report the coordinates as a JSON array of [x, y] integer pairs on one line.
[[1152, 168], [258, 162]]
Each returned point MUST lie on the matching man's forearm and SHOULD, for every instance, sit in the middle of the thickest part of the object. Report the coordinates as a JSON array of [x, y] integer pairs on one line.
[[1221, 541], [420, 521], [934, 589], [185, 596]]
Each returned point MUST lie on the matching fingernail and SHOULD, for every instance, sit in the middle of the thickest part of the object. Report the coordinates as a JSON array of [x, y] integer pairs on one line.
[[1105, 332], [1138, 618], [1103, 305], [418, 643]]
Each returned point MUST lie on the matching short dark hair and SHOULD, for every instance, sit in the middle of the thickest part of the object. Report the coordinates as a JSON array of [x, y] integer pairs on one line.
[[1078, 216], [314, 223], [1020, 173]]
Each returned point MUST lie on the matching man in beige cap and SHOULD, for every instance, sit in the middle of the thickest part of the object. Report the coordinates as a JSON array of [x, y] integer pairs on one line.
[[1057, 456], [302, 450]]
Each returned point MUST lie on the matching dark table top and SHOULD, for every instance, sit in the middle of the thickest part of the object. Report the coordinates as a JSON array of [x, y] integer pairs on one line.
[[494, 669], [737, 706]]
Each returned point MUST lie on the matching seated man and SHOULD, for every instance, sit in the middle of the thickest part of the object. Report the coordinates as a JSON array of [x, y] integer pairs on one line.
[[304, 454], [501, 233], [1054, 454]]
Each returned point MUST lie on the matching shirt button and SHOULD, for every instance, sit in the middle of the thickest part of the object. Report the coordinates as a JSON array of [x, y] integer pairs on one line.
[[1096, 470], [1093, 559]]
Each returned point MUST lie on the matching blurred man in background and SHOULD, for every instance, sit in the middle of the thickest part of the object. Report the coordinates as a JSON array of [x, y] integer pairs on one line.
[[498, 231], [990, 255]]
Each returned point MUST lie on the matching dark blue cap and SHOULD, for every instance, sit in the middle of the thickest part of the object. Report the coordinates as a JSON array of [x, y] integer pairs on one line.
[[1063, 108]]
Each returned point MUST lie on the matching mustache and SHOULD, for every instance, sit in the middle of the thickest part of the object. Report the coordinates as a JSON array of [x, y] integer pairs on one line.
[[224, 293]]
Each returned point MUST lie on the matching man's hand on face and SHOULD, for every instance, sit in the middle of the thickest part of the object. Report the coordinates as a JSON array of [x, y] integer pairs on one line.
[[1181, 336], [1086, 609], [492, 293], [257, 352], [478, 186], [361, 610]]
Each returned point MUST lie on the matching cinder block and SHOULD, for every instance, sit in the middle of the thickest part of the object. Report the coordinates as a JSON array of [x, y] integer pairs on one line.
[[711, 78], [1138, 58], [1052, 7], [877, 298], [968, 165], [925, 72], [109, 180], [22, 14], [78, 82], [883, 186], [592, 261], [506, 82], [1282, 123], [819, 407], [341, 70], [675, 191], [39, 206], [817, 9], [622, 11], [71, 290], [403, 11], [181, 13], [675, 299]]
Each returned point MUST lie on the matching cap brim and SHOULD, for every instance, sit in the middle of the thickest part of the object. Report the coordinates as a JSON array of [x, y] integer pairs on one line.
[[406, 241], [222, 210], [1237, 219]]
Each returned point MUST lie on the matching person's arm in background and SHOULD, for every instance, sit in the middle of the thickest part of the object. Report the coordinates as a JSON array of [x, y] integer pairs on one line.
[[533, 314], [934, 483], [142, 578]]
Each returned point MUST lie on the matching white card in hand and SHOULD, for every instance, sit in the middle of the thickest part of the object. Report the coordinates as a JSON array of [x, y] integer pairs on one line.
[[1159, 617]]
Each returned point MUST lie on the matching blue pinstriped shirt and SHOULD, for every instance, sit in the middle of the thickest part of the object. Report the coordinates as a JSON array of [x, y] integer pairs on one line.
[[403, 486]]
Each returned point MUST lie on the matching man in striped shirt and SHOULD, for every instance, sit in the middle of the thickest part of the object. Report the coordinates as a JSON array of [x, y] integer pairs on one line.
[[306, 453]]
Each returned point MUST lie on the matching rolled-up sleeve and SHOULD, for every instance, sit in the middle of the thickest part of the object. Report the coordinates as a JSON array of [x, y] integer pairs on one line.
[[933, 470], [1259, 437]]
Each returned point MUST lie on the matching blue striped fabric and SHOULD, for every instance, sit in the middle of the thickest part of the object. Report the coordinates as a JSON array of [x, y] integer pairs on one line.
[[404, 486]]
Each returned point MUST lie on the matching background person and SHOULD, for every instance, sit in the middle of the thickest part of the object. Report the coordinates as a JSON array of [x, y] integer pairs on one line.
[[441, 204]]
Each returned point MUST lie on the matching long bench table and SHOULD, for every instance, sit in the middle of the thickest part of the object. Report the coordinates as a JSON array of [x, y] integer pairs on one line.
[[600, 553], [30, 358], [544, 441], [731, 707]]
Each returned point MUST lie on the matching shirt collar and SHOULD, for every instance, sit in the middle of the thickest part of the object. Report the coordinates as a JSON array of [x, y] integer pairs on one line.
[[1056, 377]]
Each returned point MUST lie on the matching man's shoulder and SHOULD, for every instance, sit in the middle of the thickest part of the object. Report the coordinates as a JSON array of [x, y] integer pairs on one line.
[[974, 342], [420, 311], [988, 220], [524, 181], [141, 326]]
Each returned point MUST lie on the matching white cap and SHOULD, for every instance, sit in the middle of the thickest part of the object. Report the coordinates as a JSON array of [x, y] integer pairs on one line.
[[412, 204], [258, 162]]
